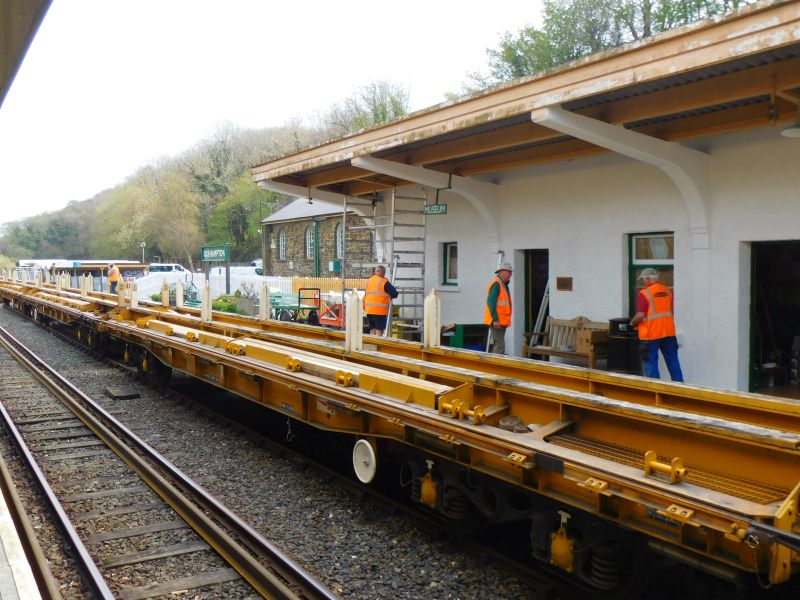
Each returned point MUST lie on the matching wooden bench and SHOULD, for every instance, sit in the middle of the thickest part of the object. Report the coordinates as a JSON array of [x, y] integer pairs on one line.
[[571, 338]]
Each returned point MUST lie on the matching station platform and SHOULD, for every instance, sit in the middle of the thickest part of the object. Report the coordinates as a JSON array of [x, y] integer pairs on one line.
[[16, 578]]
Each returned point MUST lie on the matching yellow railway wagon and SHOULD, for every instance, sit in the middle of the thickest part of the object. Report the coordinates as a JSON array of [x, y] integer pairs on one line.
[[592, 462]]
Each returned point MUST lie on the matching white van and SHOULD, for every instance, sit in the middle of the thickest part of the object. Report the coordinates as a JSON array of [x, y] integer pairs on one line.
[[168, 268]]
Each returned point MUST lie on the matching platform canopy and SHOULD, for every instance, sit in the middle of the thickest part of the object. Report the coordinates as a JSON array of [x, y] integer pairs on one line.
[[712, 77], [19, 21]]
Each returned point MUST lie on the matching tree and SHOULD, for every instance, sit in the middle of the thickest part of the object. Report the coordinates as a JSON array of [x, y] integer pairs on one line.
[[236, 218], [572, 29], [373, 104]]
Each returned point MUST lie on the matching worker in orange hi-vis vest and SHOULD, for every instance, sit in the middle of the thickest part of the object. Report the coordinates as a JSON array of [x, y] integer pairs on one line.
[[113, 277], [377, 299], [654, 316], [497, 311]]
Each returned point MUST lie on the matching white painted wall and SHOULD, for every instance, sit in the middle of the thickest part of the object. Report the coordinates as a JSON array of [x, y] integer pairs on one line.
[[583, 211]]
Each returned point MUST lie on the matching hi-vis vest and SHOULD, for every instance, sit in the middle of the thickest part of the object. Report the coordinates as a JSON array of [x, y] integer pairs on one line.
[[376, 301], [113, 273], [503, 305], [658, 322]]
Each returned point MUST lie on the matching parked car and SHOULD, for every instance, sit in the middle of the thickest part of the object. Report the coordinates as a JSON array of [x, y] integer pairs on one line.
[[168, 268]]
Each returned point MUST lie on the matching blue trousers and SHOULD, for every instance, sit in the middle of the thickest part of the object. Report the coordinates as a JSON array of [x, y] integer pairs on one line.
[[669, 348]]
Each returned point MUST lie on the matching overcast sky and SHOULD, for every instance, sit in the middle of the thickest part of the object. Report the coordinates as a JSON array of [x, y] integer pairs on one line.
[[109, 86]]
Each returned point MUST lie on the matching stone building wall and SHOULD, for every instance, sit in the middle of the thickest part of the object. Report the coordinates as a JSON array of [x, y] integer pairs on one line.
[[358, 248]]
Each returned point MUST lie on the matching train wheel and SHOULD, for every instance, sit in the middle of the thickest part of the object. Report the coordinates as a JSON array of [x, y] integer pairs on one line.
[[365, 461]]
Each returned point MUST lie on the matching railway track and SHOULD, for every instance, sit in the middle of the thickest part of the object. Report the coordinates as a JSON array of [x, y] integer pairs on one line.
[[389, 570], [138, 527]]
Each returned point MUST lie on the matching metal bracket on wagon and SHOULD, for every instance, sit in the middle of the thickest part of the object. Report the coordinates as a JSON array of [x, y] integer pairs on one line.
[[674, 470], [460, 410]]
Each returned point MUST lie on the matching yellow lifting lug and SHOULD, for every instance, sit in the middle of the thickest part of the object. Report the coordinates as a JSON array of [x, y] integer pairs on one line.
[[451, 407], [679, 513], [345, 378], [448, 439], [293, 364], [460, 410], [517, 459], [675, 470], [478, 415], [737, 533], [142, 322], [235, 349], [595, 485], [191, 336]]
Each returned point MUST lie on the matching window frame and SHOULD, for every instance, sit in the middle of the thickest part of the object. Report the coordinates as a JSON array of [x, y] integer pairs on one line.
[[338, 235], [282, 244], [309, 239], [447, 258], [635, 265]]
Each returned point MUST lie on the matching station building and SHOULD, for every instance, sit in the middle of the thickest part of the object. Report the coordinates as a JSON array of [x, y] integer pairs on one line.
[[679, 152]]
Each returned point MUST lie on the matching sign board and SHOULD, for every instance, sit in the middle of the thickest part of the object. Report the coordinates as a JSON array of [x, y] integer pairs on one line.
[[214, 253], [435, 209]]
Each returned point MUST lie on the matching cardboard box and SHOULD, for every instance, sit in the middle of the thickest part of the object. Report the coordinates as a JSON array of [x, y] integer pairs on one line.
[[586, 338]]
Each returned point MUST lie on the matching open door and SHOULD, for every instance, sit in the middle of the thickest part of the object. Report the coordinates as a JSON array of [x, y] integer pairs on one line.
[[775, 318], [537, 272]]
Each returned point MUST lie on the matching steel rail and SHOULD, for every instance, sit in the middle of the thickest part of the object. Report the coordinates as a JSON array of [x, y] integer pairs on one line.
[[86, 565], [45, 580], [193, 509]]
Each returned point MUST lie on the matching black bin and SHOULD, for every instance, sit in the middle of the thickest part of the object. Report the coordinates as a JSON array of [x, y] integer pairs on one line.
[[623, 347]]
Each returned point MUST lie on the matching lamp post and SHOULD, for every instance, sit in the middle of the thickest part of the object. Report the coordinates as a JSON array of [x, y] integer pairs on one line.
[[143, 245]]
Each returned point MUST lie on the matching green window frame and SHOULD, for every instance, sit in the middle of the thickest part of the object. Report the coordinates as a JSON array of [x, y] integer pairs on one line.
[[656, 250], [450, 263], [282, 244]]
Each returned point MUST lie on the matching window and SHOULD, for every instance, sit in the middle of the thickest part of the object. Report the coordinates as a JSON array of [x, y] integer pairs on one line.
[[309, 242], [450, 262], [656, 250], [282, 245], [339, 241]]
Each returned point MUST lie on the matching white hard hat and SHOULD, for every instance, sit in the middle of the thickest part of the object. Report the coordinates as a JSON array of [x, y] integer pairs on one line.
[[649, 272], [504, 267]]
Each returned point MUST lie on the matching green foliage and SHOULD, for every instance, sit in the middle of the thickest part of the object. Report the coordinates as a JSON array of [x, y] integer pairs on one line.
[[7, 262], [236, 219], [226, 304], [573, 29]]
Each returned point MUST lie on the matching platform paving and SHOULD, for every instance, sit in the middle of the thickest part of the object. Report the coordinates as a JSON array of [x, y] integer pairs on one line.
[[16, 577]]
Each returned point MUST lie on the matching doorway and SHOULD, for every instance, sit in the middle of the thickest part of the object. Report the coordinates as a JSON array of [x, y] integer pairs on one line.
[[775, 318], [537, 272]]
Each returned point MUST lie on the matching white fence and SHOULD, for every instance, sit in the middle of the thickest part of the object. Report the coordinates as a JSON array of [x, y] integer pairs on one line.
[[244, 279]]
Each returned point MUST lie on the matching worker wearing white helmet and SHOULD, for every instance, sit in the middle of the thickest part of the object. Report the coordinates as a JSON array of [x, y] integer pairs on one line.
[[655, 319], [497, 311]]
